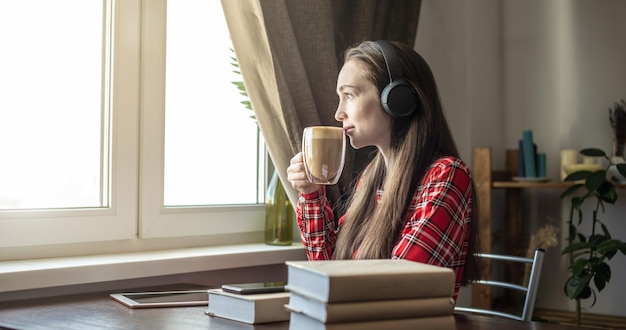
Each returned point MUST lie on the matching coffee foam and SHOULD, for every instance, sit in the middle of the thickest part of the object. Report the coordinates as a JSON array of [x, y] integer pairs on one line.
[[326, 132]]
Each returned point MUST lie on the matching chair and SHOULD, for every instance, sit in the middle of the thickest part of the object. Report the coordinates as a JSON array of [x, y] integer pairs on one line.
[[529, 290]]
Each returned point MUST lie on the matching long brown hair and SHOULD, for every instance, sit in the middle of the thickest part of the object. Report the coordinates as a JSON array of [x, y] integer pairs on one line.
[[370, 231]]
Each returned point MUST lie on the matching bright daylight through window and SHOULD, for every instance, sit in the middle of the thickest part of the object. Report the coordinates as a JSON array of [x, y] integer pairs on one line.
[[51, 111], [53, 129], [210, 140], [119, 121]]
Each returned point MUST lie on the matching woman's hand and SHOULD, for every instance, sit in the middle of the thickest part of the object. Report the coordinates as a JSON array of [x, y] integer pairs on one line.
[[296, 174]]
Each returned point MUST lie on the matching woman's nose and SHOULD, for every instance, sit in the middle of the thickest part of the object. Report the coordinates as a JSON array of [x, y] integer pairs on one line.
[[340, 115]]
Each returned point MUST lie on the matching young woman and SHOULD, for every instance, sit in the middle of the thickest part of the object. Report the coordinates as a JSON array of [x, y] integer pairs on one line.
[[415, 199]]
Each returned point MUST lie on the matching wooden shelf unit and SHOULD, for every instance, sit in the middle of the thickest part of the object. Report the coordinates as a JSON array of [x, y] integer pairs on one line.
[[486, 179]]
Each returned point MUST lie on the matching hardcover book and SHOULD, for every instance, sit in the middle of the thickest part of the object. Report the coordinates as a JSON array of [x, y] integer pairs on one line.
[[530, 153], [370, 310], [300, 321], [521, 163], [331, 281], [248, 308]]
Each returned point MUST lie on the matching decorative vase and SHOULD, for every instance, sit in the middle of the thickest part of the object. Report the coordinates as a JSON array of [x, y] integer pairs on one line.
[[614, 172], [617, 118], [618, 150], [279, 215]]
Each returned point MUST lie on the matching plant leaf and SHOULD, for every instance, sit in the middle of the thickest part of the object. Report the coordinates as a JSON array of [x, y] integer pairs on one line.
[[593, 152], [580, 216], [570, 190], [577, 246], [594, 261], [578, 267], [239, 85], [575, 285], [595, 298], [578, 175], [595, 180], [586, 292], [621, 168], [609, 246], [622, 248], [247, 104], [597, 239], [605, 229], [600, 284], [609, 255], [602, 275], [607, 192]]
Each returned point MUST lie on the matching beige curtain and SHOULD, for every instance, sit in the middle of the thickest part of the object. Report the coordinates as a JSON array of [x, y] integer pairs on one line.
[[289, 54]]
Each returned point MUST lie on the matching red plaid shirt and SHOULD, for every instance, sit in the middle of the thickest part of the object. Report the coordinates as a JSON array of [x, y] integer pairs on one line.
[[437, 225]]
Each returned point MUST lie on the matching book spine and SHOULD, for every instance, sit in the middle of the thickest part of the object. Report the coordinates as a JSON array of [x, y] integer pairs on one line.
[[248, 308], [299, 321], [520, 159], [390, 286], [529, 154], [370, 310], [541, 165]]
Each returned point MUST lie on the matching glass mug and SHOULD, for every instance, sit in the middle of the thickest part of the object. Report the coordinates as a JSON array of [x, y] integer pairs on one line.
[[323, 150]]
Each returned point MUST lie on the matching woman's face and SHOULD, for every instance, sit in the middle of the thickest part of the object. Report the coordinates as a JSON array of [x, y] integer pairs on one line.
[[360, 111]]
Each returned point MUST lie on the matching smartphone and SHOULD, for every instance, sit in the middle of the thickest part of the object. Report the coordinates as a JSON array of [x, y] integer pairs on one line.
[[163, 298], [252, 288]]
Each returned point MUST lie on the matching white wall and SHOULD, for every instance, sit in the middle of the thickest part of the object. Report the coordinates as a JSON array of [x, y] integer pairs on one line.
[[460, 48], [555, 67]]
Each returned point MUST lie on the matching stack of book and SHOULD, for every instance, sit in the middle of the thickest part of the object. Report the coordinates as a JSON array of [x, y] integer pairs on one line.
[[531, 164], [369, 294]]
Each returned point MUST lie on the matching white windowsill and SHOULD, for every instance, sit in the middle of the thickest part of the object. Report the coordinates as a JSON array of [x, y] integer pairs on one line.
[[54, 272]]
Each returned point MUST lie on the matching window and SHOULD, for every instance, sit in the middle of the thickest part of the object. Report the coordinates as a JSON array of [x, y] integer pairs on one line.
[[51, 110], [210, 141], [102, 146]]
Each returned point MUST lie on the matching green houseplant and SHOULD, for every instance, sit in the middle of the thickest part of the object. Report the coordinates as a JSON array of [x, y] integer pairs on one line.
[[589, 255], [239, 84]]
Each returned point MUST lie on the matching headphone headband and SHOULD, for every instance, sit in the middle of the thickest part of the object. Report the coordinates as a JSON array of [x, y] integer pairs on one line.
[[394, 69], [398, 98]]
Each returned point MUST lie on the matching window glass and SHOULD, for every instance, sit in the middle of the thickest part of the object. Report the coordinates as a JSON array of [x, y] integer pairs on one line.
[[99, 148], [211, 148], [51, 128]]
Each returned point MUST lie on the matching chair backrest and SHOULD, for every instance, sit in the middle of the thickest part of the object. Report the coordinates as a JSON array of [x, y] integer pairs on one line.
[[529, 290]]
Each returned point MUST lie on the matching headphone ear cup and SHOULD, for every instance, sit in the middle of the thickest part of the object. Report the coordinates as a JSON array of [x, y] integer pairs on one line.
[[399, 99]]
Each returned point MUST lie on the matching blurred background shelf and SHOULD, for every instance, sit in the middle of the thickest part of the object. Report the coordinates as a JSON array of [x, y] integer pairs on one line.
[[486, 180]]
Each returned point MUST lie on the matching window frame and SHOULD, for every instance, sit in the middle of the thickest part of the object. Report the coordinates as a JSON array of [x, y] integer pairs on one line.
[[118, 220], [136, 218], [155, 220]]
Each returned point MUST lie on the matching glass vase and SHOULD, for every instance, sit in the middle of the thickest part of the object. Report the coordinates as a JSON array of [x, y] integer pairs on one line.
[[618, 149], [279, 214]]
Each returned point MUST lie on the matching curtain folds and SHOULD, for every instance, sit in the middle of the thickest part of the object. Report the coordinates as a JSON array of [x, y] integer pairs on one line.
[[289, 52]]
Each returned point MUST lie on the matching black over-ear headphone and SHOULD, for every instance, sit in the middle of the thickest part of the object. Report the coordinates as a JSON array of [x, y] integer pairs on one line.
[[398, 98]]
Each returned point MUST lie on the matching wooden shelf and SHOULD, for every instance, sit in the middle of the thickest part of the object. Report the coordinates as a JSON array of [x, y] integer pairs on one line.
[[486, 179], [524, 185], [541, 185]]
